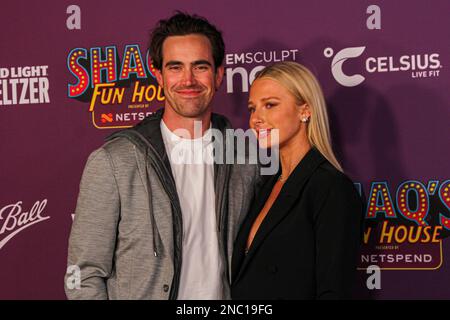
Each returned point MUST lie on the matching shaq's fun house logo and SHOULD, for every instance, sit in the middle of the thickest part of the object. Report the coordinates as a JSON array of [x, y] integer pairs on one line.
[[119, 90], [425, 65], [404, 229]]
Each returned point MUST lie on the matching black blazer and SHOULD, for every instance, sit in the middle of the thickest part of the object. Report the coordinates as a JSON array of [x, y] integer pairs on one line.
[[307, 244]]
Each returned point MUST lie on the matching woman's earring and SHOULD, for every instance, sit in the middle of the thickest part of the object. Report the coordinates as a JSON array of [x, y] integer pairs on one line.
[[305, 119]]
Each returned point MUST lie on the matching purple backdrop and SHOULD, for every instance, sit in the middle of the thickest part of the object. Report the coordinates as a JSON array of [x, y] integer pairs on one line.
[[384, 71]]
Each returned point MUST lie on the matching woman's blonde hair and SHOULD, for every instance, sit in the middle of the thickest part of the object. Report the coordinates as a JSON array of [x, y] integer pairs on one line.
[[304, 86]]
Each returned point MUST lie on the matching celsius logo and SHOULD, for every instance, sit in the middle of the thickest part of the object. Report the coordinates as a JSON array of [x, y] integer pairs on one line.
[[420, 65], [338, 61]]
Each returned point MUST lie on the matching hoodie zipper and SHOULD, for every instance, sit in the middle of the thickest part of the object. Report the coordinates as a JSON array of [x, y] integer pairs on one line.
[[162, 172]]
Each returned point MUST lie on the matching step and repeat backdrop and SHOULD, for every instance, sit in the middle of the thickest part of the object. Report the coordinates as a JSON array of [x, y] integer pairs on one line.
[[73, 72]]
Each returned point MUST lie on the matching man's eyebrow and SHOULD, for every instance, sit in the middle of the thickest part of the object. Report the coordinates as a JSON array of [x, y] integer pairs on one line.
[[195, 63], [172, 63], [198, 62]]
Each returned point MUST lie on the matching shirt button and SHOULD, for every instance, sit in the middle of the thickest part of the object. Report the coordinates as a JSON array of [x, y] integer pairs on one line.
[[166, 288]]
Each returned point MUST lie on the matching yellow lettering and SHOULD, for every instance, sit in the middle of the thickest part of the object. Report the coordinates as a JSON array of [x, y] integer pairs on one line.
[[436, 234], [137, 93], [153, 89], [386, 234], [367, 235], [97, 92], [426, 232], [417, 234], [398, 238], [118, 95], [160, 97]]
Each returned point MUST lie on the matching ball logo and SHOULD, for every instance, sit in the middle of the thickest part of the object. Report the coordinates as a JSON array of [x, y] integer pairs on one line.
[[13, 219], [338, 61]]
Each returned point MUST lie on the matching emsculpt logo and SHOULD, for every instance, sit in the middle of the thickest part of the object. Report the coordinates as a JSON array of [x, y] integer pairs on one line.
[[338, 61]]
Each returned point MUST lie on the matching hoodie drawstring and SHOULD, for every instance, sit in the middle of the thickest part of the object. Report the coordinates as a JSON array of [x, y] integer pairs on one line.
[[155, 231]]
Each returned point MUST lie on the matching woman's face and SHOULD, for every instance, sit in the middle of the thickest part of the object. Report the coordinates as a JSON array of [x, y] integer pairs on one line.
[[272, 106]]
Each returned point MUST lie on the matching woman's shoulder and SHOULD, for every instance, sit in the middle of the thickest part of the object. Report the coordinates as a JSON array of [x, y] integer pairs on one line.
[[330, 186], [326, 176]]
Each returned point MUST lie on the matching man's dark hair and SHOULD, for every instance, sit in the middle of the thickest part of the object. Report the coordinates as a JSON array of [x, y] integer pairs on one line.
[[182, 24]]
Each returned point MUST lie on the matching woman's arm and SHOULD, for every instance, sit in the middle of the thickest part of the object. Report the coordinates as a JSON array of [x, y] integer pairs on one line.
[[338, 230]]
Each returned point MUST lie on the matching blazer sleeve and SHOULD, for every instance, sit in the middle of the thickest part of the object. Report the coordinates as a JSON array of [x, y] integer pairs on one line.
[[338, 232], [93, 235]]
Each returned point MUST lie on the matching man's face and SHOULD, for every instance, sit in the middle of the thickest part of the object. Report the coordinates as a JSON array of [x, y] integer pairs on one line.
[[188, 74]]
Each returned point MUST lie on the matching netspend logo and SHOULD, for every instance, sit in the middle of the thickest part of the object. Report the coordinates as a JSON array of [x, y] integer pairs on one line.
[[338, 61]]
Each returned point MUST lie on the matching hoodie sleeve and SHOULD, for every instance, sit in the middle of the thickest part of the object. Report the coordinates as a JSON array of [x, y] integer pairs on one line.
[[93, 235]]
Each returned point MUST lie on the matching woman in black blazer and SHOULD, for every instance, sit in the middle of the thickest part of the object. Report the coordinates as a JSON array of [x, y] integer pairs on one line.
[[302, 234]]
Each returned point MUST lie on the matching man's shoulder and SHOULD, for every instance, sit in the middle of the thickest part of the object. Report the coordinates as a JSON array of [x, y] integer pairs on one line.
[[116, 150], [119, 146]]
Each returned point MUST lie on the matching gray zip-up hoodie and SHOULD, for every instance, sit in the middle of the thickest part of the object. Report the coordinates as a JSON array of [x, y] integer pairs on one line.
[[126, 238]]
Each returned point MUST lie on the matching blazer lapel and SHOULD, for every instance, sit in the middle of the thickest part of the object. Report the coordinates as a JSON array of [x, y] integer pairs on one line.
[[282, 206], [240, 242]]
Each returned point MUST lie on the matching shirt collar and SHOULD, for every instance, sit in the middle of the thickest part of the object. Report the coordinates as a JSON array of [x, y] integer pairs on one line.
[[173, 139]]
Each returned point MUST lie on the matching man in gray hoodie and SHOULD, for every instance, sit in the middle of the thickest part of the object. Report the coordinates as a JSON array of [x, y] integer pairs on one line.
[[151, 222]]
